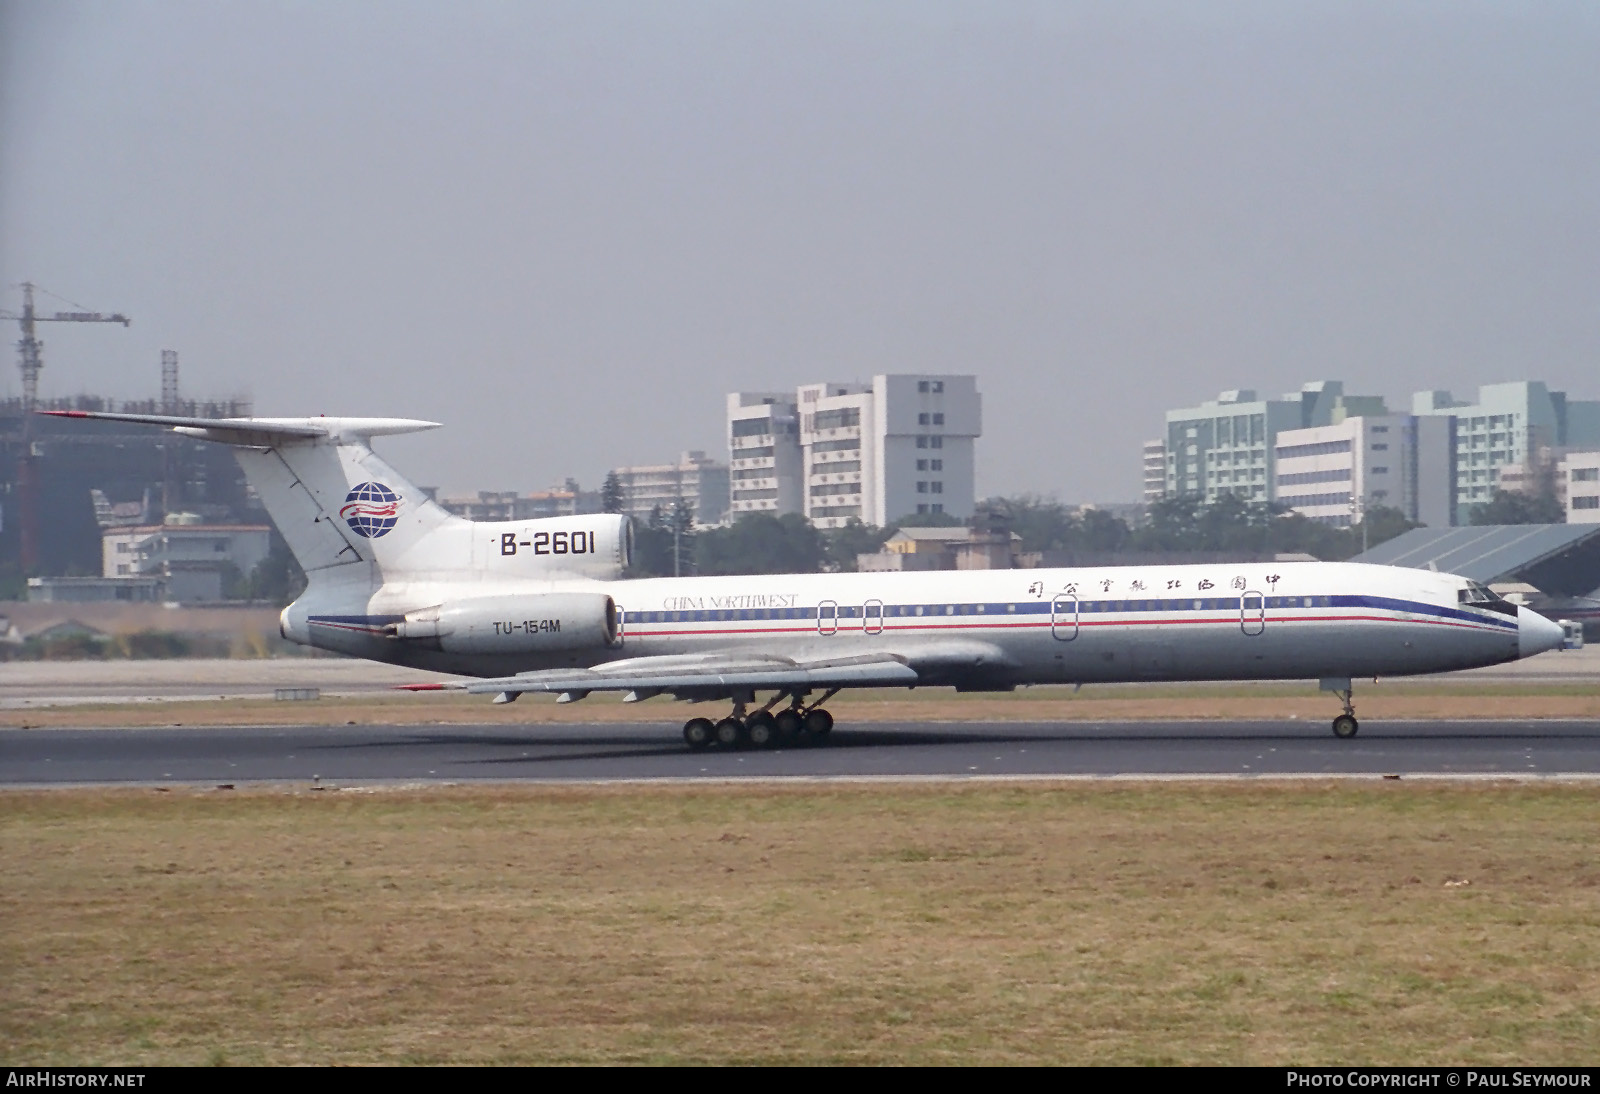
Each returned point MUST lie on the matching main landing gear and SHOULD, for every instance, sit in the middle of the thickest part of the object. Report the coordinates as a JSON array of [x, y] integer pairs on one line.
[[796, 724]]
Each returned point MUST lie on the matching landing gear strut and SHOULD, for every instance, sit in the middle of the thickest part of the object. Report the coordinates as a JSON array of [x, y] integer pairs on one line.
[[731, 732], [1345, 725]]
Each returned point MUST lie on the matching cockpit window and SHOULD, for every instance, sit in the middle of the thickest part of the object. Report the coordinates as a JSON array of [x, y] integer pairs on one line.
[[1475, 593]]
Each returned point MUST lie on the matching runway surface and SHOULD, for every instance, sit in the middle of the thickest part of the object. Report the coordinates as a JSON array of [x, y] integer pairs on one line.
[[386, 754]]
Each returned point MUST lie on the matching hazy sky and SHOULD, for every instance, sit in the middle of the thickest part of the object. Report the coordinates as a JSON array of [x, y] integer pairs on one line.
[[566, 230]]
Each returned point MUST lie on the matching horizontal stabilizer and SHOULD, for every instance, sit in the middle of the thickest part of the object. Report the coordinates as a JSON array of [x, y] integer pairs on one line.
[[262, 432]]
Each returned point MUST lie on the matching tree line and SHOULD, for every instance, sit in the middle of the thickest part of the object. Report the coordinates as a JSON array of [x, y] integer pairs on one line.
[[667, 543], [764, 543]]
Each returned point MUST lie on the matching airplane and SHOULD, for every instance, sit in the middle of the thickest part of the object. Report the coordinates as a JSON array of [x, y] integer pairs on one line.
[[544, 606]]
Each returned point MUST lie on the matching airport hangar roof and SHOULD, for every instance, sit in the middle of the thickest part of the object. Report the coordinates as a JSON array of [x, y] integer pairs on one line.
[[1558, 559]]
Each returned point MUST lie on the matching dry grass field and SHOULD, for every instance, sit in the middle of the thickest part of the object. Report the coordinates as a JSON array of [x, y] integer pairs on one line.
[[1139, 702], [1391, 922]]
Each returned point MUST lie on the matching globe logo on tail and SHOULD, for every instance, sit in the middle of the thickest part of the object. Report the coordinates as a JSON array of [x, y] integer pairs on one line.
[[370, 509]]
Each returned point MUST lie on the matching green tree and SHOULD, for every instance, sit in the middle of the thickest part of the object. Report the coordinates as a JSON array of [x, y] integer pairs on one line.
[[1172, 524], [1384, 523], [276, 578], [1101, 531], [1298, 534], [611, 494], [683, 537], [842, 545], [1047, 525], [652, 546], [235, 586], [657, 538], [761, 543], [1043, 525], [1233, 524], [1515, 507]]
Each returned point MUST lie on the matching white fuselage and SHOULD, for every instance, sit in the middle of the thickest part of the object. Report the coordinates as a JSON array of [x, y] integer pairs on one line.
[[995, 628], [393, 577]]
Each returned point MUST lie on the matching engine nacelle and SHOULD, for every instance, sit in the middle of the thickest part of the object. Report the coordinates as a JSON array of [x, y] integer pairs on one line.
[[598, 545], [532, 623]]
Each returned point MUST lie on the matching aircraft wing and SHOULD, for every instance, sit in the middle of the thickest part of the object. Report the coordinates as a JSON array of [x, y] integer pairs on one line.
[[699, 677]]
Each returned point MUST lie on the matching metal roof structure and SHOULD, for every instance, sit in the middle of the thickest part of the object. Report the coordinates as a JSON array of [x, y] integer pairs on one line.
[[1560, 559]]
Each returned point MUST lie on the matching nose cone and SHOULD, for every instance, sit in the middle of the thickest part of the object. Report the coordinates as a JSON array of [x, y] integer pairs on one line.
[[1536, 634]]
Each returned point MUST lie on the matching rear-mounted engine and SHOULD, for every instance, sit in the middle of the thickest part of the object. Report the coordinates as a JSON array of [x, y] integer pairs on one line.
[[538, 623]]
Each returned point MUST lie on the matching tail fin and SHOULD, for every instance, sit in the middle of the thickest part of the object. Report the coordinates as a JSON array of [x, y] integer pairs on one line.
[[337, 503]]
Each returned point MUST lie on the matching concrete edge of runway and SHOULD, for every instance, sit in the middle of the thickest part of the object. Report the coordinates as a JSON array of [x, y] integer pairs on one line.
[[377, 786]]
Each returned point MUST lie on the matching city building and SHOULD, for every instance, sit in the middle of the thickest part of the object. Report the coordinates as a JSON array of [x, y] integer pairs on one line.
[[85, 590], [1580, 472], [1537, 475], [191, 561], [842, 451], [1155, 471], [491, 505], [86, 475], [765, 461], [1522, 424], [1226, 445], [696, 479], [900, 446], [1334, 473], [957, 548]]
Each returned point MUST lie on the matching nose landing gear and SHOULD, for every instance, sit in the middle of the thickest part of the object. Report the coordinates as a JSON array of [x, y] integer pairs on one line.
[[1345, 725]]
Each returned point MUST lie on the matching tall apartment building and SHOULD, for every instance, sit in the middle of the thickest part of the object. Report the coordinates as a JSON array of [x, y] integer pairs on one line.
[[1227, 445], [1581, 472], [841, 453], [1155, 471], [1335, 473], [901, 445], [695, 478], [1513, 425], [765, 461]]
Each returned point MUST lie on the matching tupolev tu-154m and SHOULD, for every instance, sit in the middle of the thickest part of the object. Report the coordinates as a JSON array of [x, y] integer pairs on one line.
[[543, 606]]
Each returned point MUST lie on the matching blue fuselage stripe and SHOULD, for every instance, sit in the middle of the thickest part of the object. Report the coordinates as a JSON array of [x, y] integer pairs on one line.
[[1302, 609]]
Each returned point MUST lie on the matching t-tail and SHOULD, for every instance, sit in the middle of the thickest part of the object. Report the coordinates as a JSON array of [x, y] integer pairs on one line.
[[356, 525]]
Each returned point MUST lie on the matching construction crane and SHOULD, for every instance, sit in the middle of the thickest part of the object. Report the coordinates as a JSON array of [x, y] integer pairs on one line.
[[30, 346], [32, 360]]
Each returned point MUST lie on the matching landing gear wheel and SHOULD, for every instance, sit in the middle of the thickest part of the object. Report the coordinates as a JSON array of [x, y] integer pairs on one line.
[[762, 729], [730, 733], [819, 723], [698, 733], [788, 723], [1345, 726]]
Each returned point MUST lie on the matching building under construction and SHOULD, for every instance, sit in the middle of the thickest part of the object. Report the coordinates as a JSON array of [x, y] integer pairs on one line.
[[63, 483], [93, 475]]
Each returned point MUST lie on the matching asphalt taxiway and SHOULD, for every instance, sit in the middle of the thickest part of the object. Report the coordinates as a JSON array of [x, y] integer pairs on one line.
[[347, 755]]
